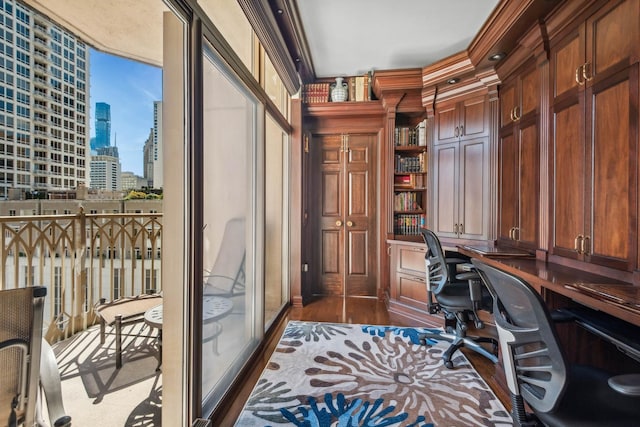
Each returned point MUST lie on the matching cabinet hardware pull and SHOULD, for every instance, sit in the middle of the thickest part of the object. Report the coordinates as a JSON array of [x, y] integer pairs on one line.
[[577, 243], [455, 228], [516, 117], [511, 233], [586, 245], [578, 73], [339, 223], [511, 114], [516, 233], [419, 279], [456, 133], [349, 223], [587, 65], [461, 228], [461, 130]]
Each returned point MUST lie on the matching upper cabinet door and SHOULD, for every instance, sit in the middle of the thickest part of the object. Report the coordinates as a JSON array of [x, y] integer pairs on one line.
[[567, 61], [529, 93], [473, 118], [507, 103], [447, 123], [612, 36]]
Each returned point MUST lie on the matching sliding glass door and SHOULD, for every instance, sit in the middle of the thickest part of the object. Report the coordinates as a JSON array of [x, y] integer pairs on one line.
[[231, 302]]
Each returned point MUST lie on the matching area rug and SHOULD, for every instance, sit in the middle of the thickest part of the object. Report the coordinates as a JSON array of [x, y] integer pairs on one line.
[[334, 374]]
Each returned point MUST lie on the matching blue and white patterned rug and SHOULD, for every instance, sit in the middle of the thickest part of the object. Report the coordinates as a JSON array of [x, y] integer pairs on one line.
[[335, 374]]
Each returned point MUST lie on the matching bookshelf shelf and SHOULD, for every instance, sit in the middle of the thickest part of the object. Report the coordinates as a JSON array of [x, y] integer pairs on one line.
[[409, 181]]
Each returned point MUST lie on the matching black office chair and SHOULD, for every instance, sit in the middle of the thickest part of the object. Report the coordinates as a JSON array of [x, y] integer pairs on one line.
[[536, 369], [457, 296]]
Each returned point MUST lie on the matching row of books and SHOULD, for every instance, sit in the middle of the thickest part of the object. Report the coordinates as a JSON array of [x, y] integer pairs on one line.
[[410, 181], [359, 89], [408, 224], [406, 136], [314, 93], [407, 201], [411, 163]]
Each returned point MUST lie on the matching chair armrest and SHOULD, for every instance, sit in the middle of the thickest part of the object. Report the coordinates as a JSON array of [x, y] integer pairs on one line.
[[627, 384]]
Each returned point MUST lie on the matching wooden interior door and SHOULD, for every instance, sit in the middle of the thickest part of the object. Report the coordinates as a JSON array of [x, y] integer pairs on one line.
[[344, 234]]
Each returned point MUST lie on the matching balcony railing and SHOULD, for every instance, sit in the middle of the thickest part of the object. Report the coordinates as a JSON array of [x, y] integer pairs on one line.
[[80, 259]]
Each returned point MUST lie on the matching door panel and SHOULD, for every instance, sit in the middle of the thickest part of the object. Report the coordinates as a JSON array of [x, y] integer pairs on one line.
[[447, 118], [360, 220], [446, 170], [507, 102], [569, 187], [508, 183], [473, 118], [613, 34], [612, 197], [530, 92], [474, 164], [345, 223], [528, 162], [567, 59]]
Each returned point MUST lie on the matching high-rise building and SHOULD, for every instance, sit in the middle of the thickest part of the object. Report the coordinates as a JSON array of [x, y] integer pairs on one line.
[[147, 159], [157, 145], [43, 118], [106, 170], [103, 126]]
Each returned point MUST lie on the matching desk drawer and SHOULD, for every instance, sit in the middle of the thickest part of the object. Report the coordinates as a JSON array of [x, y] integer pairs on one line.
[[411, 260], [412, 291]]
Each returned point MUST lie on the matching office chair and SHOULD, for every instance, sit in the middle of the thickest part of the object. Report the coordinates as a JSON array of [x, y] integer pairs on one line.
[[457, 296], [536, 369], [24, 368]]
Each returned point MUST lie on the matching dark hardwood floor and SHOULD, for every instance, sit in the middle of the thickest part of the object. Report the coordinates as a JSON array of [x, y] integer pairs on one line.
[[338, 310]]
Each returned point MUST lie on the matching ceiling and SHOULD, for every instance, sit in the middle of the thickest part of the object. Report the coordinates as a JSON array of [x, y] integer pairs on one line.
[[347, 38]]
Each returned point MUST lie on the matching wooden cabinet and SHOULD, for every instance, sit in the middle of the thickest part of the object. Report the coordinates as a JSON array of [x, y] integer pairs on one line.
[[518, 160], [408, 288], [461, 120], [594, 76], [461, 189], [460, 165], [410, 181]]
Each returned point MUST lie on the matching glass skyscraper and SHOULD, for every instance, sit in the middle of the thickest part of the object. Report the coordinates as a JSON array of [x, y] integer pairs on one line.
[[103, 126]]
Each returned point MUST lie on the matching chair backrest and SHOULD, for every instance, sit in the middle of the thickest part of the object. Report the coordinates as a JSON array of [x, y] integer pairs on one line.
[[437, 268], [21, 312], [228, 270], [534, 364]]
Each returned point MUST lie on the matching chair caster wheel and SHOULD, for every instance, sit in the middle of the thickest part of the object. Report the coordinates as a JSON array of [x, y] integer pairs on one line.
[[448, 364], [423, 341]]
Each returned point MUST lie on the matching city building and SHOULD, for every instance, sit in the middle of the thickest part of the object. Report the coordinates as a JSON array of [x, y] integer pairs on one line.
[[103, 126], [106, 169], [147, 159], [131, 181], [44, 90], [157, 145]]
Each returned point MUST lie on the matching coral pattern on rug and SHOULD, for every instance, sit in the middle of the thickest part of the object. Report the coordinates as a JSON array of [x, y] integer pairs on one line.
[[330, 374]]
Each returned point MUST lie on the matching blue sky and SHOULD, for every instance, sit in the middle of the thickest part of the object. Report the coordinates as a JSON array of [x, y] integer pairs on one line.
[[130, 88]]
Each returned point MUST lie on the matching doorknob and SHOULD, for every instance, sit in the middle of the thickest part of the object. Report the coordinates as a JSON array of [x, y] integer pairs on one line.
[[349, 223], [339, 223]]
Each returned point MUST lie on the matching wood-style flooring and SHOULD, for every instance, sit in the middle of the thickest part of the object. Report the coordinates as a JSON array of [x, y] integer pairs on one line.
[[338, 310]]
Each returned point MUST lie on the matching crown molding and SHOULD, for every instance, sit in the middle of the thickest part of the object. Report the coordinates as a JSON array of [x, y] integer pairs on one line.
[[264, 24]]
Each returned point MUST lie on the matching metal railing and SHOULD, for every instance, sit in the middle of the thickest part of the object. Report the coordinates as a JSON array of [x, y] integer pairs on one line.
[[80, 259]]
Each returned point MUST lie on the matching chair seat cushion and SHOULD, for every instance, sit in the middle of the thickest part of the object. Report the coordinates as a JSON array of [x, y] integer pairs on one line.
[[455, 297], [590, 401]]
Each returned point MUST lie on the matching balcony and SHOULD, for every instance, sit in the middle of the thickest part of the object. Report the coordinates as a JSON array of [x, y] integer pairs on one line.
[[81, 258]]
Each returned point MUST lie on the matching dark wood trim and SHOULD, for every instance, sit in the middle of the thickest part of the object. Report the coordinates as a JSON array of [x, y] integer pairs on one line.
[[264, 24], [295, 205]]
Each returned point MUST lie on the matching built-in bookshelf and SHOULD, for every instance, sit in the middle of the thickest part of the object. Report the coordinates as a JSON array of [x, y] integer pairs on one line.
[[410, 181], [359, 90]]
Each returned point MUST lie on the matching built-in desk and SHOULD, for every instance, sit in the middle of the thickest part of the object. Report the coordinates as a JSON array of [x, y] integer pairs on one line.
[[562, 287]]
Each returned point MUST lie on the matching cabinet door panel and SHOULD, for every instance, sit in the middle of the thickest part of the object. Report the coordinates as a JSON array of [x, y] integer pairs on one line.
[[614, 35], [447, 122], [473, 118], [508, 181], [530, 92], [612, 194], [507, 103], [569, 172], [529, 186], [446, 171], [474, 186], [567, 59]]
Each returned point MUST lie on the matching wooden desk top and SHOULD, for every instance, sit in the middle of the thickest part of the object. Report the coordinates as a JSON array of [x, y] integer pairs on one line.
[[619, 299]]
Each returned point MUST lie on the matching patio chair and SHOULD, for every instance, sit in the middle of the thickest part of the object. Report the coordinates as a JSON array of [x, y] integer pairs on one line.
[[227, 276], [21, 349]]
